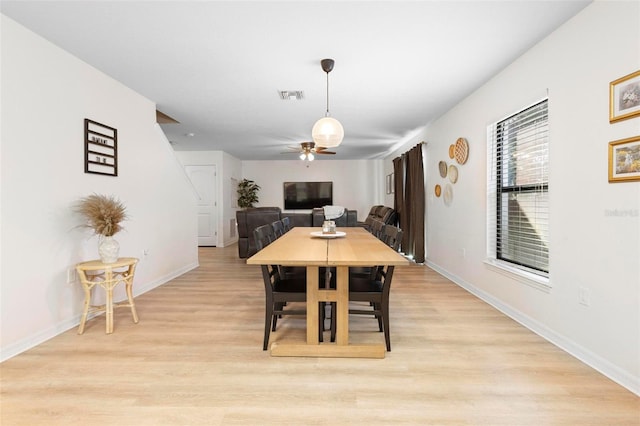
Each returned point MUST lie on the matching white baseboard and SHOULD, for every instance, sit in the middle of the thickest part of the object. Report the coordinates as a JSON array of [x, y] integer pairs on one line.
[[33, 340], [596, 362], [228, 242], [42, 336], [165, 279]]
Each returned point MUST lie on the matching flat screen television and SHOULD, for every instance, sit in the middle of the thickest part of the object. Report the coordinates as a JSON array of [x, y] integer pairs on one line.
[[307, 195]]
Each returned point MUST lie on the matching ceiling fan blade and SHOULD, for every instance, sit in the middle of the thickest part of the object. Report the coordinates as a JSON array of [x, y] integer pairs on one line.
[[307, 147]]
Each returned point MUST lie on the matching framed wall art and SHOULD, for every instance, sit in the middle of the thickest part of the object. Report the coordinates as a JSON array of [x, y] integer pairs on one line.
[[624, 160], [100, 148], [390, 183], [624, 97]]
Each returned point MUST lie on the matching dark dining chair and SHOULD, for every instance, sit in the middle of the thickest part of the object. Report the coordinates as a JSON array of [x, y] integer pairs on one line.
[[278, 228], [392, 236], [373, 285], [375, 291], [286, 223], [280, 288], [263, 236], [377, 228], [278, 293]]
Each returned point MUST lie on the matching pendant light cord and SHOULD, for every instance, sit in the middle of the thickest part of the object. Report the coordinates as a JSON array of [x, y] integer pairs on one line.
[[327, 113]]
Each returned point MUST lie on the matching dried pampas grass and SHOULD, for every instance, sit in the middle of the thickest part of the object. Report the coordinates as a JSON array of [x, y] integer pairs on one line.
[[103, 214]]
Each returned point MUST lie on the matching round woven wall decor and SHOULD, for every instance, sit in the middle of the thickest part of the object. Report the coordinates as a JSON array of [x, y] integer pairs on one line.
[[461, 150], [442, 166], [453, 173]]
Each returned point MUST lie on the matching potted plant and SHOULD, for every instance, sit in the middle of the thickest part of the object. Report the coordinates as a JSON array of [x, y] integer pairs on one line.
[[247, 193], [104, 215]]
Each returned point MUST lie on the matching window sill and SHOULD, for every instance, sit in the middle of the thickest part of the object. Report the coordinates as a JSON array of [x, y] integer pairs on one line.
[[536, 281]]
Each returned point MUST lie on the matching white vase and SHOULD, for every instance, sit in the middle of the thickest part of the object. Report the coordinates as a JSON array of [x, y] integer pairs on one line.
[[108, 249]]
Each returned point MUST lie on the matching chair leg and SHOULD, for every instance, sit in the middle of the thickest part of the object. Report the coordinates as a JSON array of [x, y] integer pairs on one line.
[[278, 306], [268, 316], [377, 307], [321, 322], [385, 318], [333, 321]]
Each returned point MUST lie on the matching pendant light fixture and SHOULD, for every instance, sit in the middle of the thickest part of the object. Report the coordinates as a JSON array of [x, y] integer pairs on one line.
[[327, 132]]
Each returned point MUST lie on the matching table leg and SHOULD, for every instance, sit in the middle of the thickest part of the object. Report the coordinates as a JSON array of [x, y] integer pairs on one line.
[[129, 288], [342, 305], [312, 305], [109, 302], [87, 301], [90, 277], [109, 311]]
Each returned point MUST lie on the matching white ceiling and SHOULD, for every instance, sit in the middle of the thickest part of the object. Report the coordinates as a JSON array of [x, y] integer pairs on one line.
[[217, 66]]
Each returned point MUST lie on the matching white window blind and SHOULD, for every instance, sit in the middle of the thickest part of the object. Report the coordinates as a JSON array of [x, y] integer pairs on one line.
[[518, 188]]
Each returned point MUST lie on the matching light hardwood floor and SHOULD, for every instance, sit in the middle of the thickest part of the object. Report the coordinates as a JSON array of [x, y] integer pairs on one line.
[[196, 358]]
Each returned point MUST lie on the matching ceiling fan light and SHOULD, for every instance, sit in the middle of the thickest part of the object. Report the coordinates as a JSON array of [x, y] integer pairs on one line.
[[310, 157], [327, 132], [303, 156]]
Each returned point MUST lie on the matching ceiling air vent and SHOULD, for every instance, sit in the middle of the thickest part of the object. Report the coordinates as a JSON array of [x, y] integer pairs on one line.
[[289, 95]]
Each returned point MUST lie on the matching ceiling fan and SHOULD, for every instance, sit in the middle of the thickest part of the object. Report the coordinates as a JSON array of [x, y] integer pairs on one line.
[[307, 150]]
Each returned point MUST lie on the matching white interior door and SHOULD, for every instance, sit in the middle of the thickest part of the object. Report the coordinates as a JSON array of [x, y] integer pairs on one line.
[[203, 179]]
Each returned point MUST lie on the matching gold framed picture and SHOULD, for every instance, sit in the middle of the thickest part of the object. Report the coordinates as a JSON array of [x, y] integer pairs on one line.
[[624, 160], [624, 97]]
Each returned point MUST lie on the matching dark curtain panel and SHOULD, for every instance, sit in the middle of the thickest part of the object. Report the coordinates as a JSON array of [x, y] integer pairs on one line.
[[407, 245], [414, 205], [398, 189]]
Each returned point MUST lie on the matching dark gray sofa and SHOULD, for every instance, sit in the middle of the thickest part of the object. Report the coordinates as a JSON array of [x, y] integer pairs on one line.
[[249, 219], [384, 214]]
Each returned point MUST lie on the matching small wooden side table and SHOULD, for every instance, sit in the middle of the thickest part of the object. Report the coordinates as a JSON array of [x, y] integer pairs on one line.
[[107, 275]]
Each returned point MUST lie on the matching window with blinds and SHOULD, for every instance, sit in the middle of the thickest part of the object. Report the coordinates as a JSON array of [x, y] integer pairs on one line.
[[518, 190]]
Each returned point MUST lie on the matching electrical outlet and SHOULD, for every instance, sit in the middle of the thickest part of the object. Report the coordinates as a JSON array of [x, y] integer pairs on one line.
[[584, 296], [145, 252], [71, 275]]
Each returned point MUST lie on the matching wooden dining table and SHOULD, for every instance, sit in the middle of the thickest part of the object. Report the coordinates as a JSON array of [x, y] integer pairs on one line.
[[299, 247]]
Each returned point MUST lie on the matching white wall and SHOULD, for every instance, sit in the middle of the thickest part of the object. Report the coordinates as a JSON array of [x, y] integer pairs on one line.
[[589, 247], [46, 94], [227, 168], [357, 184]]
